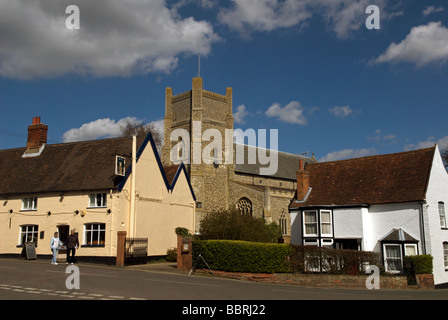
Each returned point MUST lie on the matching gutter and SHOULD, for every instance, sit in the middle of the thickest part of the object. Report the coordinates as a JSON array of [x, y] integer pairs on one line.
[[422, 226]]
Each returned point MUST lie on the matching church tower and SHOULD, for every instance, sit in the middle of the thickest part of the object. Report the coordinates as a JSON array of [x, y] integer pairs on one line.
[[195, 112]]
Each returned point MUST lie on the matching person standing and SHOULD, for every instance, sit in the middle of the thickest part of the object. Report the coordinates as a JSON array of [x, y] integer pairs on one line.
[[54, 245], [72, 244]]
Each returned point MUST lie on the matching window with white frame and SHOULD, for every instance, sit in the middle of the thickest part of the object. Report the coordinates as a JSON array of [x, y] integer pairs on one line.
[[98, 200], [393, 260], [410, 249], [442, 214], [29, 203], [310, 223], [445, 255], [325, 223], [28, 233], [94, 234]]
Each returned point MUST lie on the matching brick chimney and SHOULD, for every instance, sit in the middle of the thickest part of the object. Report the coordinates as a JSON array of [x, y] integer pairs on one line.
[[303, 181], [37, 134]]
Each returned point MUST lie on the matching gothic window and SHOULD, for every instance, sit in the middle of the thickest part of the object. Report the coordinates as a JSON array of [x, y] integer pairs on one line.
[[283, 222], [244, 205]]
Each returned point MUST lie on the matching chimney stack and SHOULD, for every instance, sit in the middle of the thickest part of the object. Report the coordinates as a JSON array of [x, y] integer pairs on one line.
[[37, 134], [303, 182]]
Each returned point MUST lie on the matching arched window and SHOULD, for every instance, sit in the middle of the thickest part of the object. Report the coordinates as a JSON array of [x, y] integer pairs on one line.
[[244, 205], [283, 222]]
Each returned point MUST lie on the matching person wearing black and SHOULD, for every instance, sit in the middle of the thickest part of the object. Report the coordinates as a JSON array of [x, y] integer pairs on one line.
[[72, 244]]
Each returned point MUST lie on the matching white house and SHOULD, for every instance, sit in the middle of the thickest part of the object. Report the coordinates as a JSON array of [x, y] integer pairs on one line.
[[393, 204]]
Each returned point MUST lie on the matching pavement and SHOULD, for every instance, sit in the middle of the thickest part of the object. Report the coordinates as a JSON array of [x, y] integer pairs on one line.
[[170, 267]]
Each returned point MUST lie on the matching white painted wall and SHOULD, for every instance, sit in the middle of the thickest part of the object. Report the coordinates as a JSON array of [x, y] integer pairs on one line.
[[381, 219], [435, 235], [296, 227], [347, 223]]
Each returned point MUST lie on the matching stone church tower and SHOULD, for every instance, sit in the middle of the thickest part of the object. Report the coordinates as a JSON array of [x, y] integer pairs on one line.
[[226, 184], [196, 111]]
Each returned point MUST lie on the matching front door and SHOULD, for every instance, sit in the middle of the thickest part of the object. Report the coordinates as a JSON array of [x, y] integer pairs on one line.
[[63, 233]]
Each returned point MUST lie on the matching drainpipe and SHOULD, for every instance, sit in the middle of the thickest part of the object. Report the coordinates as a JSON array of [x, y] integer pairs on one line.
[[133, 174], [423, 210]]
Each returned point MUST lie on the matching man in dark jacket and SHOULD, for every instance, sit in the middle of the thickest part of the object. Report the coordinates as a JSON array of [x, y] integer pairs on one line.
[[72, 244]]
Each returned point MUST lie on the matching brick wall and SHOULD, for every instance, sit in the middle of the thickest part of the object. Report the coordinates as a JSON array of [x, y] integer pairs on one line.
[[315, 280]]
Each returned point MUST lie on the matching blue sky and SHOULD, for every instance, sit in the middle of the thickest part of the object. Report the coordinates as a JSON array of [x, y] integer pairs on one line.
[[310, 69]]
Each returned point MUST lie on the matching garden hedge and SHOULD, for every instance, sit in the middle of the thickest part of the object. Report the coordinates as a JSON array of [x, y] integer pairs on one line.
[[242, 256], [421, 264]]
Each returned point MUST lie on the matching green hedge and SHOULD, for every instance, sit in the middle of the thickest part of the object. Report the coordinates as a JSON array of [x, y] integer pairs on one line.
[[421, 264], [242, 256]]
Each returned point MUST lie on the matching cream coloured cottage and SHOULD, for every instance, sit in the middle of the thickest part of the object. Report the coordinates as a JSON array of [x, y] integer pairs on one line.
[[97, 188]]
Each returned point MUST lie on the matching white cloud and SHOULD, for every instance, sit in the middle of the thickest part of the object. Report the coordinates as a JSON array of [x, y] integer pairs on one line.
[[264, 15], [104, 128], [293, 112], [342, 17], [116, 38], [158, 126], [430, 142], [378, 136], [431, 9], [240, 113], [341, 112], [423, 45], [348, 154]]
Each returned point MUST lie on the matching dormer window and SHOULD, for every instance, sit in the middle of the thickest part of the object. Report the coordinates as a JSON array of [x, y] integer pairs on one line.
[[120, 166]]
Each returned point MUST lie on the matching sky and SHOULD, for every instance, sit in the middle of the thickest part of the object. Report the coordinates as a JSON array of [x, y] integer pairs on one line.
[[310, 68]]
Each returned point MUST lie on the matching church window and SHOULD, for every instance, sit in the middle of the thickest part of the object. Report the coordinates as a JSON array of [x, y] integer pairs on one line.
[[283, 222], [244, 205]]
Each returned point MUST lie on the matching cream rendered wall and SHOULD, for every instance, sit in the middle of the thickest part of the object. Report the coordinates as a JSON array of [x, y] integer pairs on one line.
[[158, 211], [62, 210]]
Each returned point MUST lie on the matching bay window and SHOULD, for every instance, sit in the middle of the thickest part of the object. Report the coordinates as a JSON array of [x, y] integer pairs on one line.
[[393, 260], [310, 223], [325, 223]]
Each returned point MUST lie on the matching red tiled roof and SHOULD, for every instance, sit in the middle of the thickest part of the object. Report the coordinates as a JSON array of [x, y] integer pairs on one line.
[[390, 178]]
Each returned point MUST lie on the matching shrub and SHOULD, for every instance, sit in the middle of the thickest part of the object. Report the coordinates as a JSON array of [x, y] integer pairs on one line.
[[308, 259], [242, 256], [423, 264], [171, 255], [232, 225], [420, 264], [182, 231]]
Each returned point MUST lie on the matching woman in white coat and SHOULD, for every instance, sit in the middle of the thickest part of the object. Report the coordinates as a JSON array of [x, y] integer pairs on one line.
[[55, 244]]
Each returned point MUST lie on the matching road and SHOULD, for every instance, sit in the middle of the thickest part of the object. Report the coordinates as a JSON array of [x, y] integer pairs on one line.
[[38, 280]]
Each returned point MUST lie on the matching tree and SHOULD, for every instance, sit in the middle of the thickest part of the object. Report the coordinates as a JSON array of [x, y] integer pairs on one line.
[[232, 225], [140, 128], [444, 155]]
